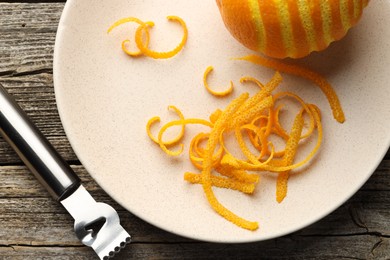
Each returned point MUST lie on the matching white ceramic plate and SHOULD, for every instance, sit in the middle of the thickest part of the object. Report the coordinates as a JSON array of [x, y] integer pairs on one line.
[[105, 99]]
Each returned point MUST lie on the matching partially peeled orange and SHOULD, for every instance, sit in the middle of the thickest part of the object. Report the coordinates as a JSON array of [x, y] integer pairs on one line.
[[289, 28]]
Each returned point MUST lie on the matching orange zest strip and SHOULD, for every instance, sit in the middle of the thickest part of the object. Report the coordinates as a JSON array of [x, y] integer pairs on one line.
[[277, 128], [157, 119], [304, 106], [136, 53], [149, 124], [254, 133], [316, 78], [251, 79], [228, 160], [160, 55], [237, 174], [176, 123], [131, 53], [124, 20], [127, 20], [289, 155], [215, 93], [197, 153], [244, 148], [221, 182], [207, 167], [243, 117], [259, 96]]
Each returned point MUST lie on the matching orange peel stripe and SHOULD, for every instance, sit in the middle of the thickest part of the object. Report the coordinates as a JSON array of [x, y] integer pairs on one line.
[[358, 10], [286, 27], [326, 18], [270, 17], [240, 11], [301, 41], [307, 22], [344, 13], [351, 8], [254, 10], [337, 26], [316, 16], [316, 78]]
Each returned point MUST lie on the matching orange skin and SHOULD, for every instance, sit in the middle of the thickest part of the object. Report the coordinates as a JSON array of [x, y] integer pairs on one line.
[[289, 28]]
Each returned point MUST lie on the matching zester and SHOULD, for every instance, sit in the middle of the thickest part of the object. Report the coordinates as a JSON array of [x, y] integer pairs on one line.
[[96, 224]]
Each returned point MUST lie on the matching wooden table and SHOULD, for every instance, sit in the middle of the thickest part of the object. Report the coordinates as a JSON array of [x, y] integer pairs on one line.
[[33, 226]]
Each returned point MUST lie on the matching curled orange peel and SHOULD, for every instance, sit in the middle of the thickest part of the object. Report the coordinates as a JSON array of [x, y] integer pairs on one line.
[[178, 123], [125, 42], [157, 119], [304, 106], [251, 79], [224, 93], [143, 47]]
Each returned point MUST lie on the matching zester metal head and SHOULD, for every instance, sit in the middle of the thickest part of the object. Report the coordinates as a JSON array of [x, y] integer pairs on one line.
[[96, 224]]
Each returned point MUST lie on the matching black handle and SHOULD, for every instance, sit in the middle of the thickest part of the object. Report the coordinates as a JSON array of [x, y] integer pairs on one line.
[[34, 149]]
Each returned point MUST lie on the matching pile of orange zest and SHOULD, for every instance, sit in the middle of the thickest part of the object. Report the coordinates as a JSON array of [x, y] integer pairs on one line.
[[160, 55], [316, 78], [251, 121], [240, 164], [215, 93], [127, 20]]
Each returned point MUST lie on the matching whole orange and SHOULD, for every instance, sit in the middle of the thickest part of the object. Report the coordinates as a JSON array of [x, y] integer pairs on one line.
[[289, 28]]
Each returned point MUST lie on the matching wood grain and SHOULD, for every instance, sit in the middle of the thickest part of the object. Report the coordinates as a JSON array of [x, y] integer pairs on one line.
[[33, 226]]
